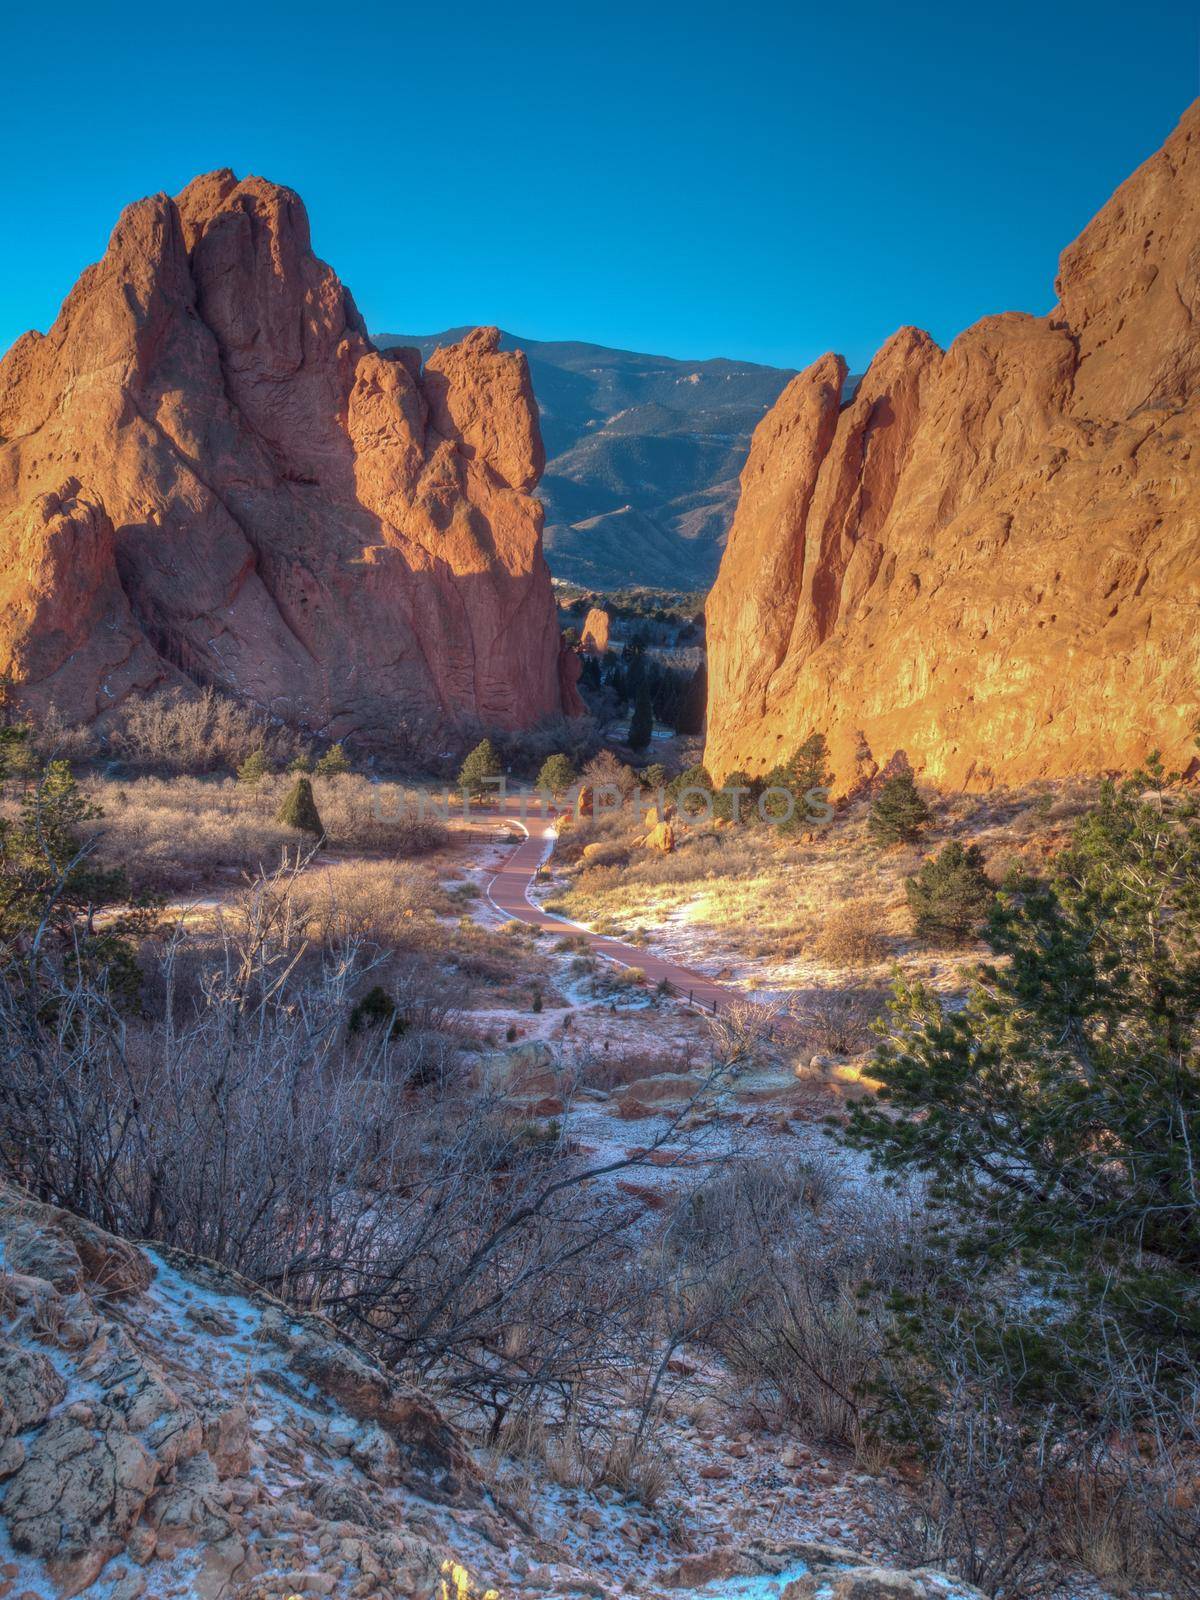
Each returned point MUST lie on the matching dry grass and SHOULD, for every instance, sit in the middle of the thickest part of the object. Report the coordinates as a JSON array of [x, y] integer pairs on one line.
[[182, 834], [766, 894], [830, 901]]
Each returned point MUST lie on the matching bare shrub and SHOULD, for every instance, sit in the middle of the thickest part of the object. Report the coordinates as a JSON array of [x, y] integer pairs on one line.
[[56, 739], [606, 769], [378, 905], [360, 815], [1019, 1497], [614, 1071], [744, 1032], [982, 1505], [180, 833], [348, 1170], [1129, 1510], [525, 751], [204, 731], [796, 1310], [838, 1022], [853, 935]]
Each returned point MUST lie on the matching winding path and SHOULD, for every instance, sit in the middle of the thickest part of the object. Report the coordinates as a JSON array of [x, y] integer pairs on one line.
[[510, 892]]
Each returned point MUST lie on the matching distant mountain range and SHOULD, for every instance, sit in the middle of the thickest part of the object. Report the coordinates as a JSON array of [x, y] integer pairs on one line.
[[643, 456]]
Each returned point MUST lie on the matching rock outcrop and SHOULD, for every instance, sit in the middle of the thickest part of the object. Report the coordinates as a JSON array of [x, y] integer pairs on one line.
[[209, 475], [989, 556], [168, 1429], [594, 639]]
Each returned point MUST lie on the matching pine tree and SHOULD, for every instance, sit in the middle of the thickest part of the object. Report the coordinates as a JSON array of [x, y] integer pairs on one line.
[[641, 724], [43, 856], [557, 774], [375, 1007], [254, 768], [333, 763], [1053, 1115], [810, 766], [898, 814], [302, 761], [689, 720], [49, 882], [482, 763], [299, 809], [696, 777], [16, 751], [734, 800], [807, 770], [692, 778], [951, 894]]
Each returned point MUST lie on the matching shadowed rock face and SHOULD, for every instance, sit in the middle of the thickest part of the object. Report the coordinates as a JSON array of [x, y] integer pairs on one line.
[[989, 556], [208, 474]]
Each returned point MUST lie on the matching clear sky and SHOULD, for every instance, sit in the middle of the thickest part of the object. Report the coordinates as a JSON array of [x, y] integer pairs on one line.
[[761, 180]]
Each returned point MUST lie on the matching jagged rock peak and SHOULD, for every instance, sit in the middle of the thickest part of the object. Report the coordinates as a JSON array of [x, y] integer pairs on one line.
[[295, 517], [988, 557]]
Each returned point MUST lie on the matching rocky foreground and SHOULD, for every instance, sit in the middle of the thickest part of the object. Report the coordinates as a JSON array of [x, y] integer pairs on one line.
[[988, 556], [168, 1430]]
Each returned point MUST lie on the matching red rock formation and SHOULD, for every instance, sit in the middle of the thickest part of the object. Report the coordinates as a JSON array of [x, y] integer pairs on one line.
[[596, 625], [208, 474], [988, 557]]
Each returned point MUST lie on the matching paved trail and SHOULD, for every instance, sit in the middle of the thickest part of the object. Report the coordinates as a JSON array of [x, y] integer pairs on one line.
[[510, 892]]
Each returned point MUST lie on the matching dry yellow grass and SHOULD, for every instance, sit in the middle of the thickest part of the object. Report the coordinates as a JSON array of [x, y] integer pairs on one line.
[[181, 834], [831, 898]]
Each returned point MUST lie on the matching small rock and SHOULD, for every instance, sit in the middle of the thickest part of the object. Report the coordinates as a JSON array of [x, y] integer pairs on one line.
[[310, 1582]]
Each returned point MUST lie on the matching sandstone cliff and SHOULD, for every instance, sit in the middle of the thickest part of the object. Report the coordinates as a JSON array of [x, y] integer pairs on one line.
[[988, 556], [208, 474]]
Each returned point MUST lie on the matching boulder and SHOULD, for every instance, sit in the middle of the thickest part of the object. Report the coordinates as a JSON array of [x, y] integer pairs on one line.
[[661, 837], [197, 1436], [30, 1388], [826, 1572], [594, 638], [84, 1483], [68, 1251], [605, 853], [430, 1452], [639, 1098], [532, 1062]]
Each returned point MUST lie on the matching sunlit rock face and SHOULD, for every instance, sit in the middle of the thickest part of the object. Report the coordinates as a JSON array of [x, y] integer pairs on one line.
[[987, 556], [208, 474]]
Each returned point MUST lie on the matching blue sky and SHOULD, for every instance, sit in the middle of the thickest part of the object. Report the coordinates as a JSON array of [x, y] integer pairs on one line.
[[758, 180]]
